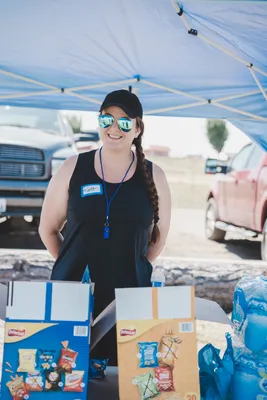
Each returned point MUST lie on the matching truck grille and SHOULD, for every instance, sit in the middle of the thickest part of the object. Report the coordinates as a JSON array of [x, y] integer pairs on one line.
[[21, 162]]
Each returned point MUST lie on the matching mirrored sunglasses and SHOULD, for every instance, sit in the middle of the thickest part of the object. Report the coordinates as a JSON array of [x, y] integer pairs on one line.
[[124, 124]]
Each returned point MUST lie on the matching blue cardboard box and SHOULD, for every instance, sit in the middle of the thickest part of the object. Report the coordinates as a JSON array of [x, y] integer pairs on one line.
[[47, 341]]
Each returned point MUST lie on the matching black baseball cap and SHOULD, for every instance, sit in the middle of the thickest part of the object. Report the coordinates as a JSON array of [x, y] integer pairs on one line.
[[126, 100]]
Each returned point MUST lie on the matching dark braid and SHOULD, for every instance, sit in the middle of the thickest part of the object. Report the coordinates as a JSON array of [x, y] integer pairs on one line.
[[152, 190]]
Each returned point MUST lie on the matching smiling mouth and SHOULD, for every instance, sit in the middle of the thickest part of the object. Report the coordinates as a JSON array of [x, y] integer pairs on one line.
[[113, 137]]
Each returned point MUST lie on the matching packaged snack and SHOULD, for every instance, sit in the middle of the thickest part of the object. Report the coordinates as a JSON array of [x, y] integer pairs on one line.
[[27, 360], [97, 368], [146, 385], [46, 359], [148, 352], [34, 381], [74, 381], [169, 350], [53, 380], [17, 388], [67, 360], [164, 379]]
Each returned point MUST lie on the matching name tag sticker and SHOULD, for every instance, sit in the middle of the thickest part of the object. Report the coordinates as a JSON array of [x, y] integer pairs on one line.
[[91, 190]]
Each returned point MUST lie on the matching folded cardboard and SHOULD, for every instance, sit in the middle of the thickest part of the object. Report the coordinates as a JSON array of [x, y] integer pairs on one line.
[[46, 344], [157, 344]]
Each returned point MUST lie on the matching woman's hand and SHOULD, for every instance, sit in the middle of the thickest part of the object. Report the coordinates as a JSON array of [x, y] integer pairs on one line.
[[54, 209], [164, 194]]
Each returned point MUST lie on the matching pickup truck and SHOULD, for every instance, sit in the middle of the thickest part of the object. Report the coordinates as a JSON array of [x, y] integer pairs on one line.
[[237, 200], [33, 145]]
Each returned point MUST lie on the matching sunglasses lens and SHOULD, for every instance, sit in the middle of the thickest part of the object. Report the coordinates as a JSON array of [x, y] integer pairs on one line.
[[125, 124], [105, 120]]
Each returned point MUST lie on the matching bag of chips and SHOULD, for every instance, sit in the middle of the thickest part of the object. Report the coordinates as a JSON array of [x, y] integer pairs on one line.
[[46, 359], [97, 368], [146, 385], [164, 379], [74, 381], [67, 358], [169, 350], [53, 381], [34, 381], [17, 388], [148, 354], [27, 360]]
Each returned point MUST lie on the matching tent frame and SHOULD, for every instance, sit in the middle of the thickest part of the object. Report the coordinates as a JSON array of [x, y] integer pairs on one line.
[[198, 101]]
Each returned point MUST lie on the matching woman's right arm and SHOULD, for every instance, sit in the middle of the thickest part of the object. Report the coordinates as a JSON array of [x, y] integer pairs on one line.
[[54, 209]]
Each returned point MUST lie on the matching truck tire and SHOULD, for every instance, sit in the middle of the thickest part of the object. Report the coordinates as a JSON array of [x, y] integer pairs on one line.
[[213, 233], [264, 242]]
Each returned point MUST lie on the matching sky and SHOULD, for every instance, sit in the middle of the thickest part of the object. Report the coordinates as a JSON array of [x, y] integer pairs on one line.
[[184, 136]]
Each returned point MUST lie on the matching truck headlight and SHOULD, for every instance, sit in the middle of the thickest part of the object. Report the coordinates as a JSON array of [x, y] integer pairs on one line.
[[56, 164]]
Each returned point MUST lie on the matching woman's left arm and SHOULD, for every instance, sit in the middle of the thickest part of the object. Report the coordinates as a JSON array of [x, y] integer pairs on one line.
[[164, 195]]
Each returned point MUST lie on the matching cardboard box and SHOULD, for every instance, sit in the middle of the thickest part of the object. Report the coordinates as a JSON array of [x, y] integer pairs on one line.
[[47, 335], [157, 345]]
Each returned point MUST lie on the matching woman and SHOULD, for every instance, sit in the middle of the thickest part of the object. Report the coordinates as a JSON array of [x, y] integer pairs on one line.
[[117, 207]]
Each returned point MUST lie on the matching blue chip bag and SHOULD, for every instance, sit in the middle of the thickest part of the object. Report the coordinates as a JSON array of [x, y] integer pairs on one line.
[[97, 368], [46, 359], [148, 353]]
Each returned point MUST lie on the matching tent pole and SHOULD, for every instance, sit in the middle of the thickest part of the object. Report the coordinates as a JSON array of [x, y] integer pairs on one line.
[[106, 84], [237, 96], [179, 11], [21, 95], [181, 107], [156, 85], [80, 96], [23, 78], [258, 83], [236, 110]]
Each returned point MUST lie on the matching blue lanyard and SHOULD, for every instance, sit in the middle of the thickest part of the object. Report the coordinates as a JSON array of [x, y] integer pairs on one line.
[[108, 202]]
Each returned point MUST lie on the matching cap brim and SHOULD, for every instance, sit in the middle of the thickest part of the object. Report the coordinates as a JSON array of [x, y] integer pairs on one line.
[[122, 106]]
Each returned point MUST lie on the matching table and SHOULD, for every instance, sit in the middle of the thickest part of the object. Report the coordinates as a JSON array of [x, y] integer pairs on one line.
[[105, 388]]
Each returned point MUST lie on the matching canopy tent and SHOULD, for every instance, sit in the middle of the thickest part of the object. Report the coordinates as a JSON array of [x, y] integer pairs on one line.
[[186, 59]]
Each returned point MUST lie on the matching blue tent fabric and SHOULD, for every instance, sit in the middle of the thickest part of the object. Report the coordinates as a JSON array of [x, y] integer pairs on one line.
[[67, 55]]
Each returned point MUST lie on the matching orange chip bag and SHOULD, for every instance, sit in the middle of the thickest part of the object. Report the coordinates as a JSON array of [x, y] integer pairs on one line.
[[74, 381], [169, 350], [34, 381], [67, 360], [17, 389]]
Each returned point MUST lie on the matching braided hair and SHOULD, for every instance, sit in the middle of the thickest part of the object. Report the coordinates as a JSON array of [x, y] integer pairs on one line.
[[151, 187]]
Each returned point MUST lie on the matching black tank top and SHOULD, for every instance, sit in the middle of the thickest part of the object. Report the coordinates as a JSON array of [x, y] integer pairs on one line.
[[119, 261]]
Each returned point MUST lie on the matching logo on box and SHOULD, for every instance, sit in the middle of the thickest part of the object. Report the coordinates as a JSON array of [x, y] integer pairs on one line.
[[128, 332], [16, 332]]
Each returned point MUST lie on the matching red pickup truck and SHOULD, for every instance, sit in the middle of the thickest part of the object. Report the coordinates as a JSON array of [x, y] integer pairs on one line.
[[238, 196]]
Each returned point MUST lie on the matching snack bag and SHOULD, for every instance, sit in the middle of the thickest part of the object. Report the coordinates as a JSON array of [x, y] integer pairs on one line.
[[146, 385], [27, 360], [17, 388], [67, 358], [34, 381], [46, 359], [74, 381], [169, 350], [97, 368], [53, 381], [148, 354], [164, 379]]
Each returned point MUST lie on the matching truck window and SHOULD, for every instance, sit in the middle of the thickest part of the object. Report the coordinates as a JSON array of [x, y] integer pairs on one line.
[[255, 158], [239, 162]]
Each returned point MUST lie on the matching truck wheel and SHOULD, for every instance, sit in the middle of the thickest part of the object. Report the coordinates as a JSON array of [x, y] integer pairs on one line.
[[213, 233], [264, 242]]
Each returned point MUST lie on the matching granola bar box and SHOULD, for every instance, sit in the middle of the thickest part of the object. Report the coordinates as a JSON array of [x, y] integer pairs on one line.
[[47, 335], [157, 345]]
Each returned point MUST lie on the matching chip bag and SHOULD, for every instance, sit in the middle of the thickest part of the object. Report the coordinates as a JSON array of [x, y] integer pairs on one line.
[[46, 359], [53, 381], [34, 381], [27, 360], [169, 350], [67, 358], [97, 368], [164, 379], [148, 354], [146, 385], [17, 388], [74, 381]]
